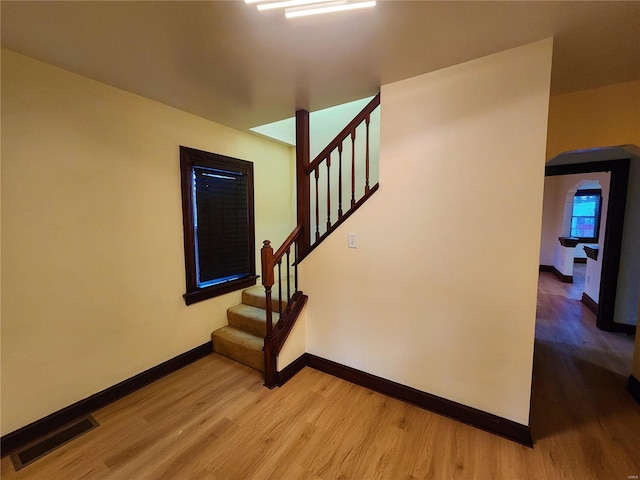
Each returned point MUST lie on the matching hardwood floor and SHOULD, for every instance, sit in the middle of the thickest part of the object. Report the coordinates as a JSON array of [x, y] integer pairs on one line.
[[214, 420]]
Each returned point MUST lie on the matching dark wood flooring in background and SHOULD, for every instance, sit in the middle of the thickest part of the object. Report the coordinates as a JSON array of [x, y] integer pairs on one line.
[[214, 420]]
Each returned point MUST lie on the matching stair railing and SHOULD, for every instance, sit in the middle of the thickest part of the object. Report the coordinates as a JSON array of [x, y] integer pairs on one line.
[[286, 278], [298, 244], [324, 162]]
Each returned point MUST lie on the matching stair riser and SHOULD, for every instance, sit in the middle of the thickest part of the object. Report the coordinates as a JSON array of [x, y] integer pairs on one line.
[[248, 324], [246, 356]]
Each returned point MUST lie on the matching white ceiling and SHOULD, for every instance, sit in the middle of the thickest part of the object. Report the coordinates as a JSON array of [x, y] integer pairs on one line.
[[225, 61]]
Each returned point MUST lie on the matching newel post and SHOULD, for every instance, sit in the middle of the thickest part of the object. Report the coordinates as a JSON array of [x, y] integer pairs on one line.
[[268, 281], [303, 188]]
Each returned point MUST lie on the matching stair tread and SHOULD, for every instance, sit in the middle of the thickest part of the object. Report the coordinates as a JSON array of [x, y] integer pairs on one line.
[[255, 312], [255, 296], [240, 337]]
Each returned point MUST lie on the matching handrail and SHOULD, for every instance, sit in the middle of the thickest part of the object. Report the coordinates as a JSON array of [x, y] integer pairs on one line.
[[344, 133], [287, 243], [339, 222]]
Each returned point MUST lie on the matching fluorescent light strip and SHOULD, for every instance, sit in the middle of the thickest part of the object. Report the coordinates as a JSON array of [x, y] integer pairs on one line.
[[333, 7], [288, 3]]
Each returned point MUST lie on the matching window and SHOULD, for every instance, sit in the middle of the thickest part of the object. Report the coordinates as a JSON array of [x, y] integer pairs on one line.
[[217, 210], [585, 215]]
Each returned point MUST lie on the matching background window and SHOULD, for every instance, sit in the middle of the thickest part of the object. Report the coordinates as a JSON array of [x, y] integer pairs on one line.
[[219, 239], [585, 215]]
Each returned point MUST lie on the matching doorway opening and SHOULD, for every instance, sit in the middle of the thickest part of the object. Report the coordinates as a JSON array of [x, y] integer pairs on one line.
[[582, 359], [612, 242], [573, 231]]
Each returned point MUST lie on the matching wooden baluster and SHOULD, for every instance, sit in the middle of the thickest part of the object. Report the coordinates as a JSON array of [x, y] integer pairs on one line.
[[366, 184], [295, 267], [288, 275], [340, 181], [328, 192], [279, 286], [353, 167], [270, 372], [317, 207]]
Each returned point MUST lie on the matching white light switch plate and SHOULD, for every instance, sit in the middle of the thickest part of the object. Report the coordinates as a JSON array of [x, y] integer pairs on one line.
[[353, 240]]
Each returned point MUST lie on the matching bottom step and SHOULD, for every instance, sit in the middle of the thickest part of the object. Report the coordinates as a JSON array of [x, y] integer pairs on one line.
[[239, 346]]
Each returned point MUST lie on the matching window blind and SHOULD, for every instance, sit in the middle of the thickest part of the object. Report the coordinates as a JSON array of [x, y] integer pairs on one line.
[[221, 225]]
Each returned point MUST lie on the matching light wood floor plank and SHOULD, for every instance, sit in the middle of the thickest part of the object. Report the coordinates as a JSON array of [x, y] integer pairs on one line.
[[213, 420]]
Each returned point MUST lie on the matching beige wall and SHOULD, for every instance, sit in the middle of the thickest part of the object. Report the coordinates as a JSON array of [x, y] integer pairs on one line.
[[552, 208], [600, 117], [92, 247], [431, 298], [296, 344]]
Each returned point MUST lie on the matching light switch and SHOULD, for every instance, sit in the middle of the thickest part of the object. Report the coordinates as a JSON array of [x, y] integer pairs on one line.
[[353, 240]]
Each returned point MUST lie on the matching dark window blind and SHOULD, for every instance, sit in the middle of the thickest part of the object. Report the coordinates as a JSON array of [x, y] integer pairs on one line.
[[221, 225]]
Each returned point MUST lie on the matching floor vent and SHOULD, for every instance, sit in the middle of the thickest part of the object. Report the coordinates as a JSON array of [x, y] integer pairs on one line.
[[47, 444]]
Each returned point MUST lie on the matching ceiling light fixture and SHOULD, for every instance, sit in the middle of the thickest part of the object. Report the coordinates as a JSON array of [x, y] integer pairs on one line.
[[288, 3], [326, 8], [302, 8]]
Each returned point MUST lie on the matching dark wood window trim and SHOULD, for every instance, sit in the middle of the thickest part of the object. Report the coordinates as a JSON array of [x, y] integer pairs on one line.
[[592, 191], [190, 158]]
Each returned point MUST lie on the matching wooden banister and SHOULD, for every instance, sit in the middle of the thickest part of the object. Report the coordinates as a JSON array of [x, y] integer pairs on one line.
[[298, 243], [276, 335], [344, 133], [293, 236], [357, 171]]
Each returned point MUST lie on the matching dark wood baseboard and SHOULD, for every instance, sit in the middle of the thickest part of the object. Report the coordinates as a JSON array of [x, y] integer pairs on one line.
[[590, 303], [623, 328], [634, 387], [288, 372], [50, 423], [580, 260], [556, 272], [456, 411], [561, 276]]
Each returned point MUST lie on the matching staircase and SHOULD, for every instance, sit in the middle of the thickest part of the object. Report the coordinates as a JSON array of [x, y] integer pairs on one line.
[[258, 328], [242, 340]]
